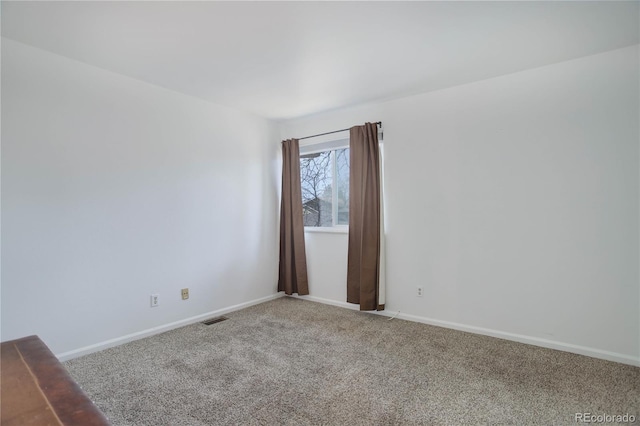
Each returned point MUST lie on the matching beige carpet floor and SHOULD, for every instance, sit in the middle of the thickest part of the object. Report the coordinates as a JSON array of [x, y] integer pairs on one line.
[[294, 362]]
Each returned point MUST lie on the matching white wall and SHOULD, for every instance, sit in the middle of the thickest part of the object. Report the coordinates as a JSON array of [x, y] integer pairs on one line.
[[514, 201], [113, 189]]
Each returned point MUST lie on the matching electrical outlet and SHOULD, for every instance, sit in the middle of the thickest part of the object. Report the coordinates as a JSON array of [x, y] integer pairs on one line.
[[155, 300], [420, 291], [185, 293]]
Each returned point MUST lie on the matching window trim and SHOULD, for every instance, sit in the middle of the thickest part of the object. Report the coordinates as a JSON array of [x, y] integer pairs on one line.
[[337, 229], [323, 146], [329, 146]]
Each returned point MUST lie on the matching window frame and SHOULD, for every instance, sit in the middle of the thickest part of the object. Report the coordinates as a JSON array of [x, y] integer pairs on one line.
[[329, 146]]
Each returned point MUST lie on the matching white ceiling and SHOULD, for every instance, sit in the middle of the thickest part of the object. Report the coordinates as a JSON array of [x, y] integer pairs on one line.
[[288, 59]]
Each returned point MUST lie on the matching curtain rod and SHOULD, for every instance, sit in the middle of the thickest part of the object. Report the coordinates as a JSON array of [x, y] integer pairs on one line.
[[379, 123]]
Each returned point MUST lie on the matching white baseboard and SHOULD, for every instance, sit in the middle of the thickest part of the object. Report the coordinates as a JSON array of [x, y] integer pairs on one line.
[[160, 329], [545, 343], [329, 302]]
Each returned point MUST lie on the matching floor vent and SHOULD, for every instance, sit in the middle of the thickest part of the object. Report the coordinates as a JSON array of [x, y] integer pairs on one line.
[[214, 320]]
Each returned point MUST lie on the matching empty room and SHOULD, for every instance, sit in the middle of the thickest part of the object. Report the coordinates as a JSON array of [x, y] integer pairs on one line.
[[306, 213]]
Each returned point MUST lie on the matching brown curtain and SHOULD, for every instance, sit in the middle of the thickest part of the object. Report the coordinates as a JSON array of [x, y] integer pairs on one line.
[[363, 270], [293, 260]]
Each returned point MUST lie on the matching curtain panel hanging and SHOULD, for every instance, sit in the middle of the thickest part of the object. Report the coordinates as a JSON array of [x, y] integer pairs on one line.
[[363, 265], [292, 276]]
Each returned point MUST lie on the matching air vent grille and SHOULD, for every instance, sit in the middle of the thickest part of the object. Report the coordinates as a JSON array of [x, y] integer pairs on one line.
[[214, 320]]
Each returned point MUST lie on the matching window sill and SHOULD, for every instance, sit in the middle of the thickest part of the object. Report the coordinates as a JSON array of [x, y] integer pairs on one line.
[[327, 230]]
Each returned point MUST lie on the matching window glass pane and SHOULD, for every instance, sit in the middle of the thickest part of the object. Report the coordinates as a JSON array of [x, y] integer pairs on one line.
[[315, 180], [342, 184]]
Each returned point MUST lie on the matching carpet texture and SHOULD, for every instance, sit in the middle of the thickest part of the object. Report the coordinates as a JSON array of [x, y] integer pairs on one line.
[[295, 362]]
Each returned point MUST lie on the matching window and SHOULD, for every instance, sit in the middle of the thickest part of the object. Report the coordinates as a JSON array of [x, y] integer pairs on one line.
[[324, 179]]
